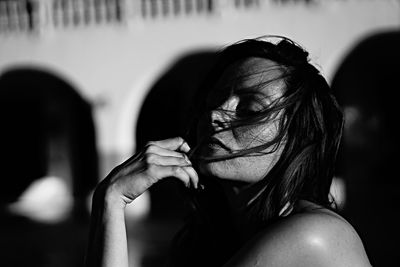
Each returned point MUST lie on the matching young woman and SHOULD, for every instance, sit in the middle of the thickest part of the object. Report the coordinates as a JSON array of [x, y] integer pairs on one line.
[[258, 170]]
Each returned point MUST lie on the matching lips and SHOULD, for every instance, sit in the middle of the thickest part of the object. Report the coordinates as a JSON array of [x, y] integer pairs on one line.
[[213, 142]]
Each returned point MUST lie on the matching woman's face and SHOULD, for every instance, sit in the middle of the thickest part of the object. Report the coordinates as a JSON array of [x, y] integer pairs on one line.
[[245, 87]]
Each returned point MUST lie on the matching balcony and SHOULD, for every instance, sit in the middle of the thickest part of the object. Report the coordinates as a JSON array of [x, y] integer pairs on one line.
[[36, 16]]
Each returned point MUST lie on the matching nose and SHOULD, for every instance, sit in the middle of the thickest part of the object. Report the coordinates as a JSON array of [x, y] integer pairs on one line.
[[222, 115]]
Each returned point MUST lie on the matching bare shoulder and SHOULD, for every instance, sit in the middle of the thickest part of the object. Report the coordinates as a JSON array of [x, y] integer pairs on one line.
[[313, 236]]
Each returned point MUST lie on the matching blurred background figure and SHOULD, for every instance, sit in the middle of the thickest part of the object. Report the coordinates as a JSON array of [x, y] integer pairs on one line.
[[366, 84], [83, 82]]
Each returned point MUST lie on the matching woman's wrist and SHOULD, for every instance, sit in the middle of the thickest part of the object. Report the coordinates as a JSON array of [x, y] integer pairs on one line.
[[107, 198], [113, 199]]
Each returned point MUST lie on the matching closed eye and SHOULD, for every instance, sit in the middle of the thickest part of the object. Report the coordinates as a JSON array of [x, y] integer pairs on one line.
[[249, 105]]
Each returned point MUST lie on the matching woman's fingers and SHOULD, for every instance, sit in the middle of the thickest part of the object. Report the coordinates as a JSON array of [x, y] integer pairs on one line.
[[155, 149], [182, 163], [159, 172], [161, 148], [165, 147], [176, 143], [158, 160], [194, 178], [151, 158]]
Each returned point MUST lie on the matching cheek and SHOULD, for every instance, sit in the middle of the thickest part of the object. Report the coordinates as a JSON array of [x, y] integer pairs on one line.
[[246, 169], [251, 136]]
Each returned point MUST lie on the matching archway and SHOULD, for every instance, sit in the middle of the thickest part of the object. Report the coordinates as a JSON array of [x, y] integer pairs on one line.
[[47, 133], [366, 85], [166, 112]]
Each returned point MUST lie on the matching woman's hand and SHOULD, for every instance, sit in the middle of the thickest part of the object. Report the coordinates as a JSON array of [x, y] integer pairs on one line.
[[158, 160]]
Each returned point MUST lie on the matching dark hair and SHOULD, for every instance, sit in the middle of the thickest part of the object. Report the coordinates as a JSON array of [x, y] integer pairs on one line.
[[311, 127]]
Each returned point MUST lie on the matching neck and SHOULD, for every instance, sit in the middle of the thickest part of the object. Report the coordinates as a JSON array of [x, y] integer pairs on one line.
[[238, 195]]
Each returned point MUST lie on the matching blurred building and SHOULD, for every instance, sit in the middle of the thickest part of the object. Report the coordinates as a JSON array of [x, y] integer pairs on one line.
[[113, 51], [122, 63]]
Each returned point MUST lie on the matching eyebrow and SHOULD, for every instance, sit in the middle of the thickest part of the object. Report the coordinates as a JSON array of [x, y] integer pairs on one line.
[[255, 90], [248, 92]]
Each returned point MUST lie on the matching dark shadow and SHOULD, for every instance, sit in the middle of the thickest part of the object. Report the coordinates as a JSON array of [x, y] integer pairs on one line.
[[366, 85], [46, 129], [166, 112]]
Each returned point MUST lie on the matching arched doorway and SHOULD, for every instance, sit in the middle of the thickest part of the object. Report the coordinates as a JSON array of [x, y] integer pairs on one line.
[[166, 112], [366, 85], [48, 141]]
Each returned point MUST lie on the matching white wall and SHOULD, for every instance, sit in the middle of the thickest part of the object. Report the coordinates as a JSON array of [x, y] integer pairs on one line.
[[114, 66]]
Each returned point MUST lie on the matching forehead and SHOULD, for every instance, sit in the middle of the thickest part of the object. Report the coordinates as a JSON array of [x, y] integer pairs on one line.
[[258, 75]]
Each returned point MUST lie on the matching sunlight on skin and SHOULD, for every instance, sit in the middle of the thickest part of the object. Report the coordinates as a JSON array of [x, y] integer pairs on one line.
[[316, 241]]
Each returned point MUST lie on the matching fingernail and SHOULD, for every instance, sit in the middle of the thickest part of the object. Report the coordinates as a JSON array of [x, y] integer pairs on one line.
[[186, 147]]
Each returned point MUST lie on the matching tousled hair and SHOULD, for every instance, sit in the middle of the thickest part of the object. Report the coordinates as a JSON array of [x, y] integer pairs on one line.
[[310, 127]]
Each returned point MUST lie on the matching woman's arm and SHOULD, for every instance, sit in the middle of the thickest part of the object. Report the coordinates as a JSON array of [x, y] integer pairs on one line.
[[161, 159], [107, 239]]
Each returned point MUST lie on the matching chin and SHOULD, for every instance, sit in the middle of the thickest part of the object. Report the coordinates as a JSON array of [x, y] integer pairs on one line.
[[224, 170], [234, 170], [215, 169]]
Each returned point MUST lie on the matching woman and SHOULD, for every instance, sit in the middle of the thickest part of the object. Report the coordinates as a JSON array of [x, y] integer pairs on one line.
[[258, 173]]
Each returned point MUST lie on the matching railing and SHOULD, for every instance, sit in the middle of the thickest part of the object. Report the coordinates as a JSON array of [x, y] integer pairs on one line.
[[37, 15]]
